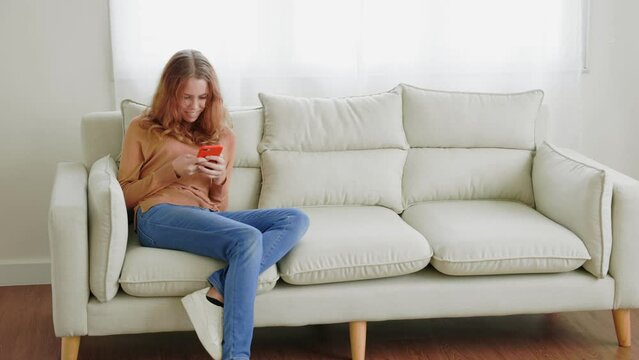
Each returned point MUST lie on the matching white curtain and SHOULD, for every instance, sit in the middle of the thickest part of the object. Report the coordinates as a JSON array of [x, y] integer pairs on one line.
[[353, 47]]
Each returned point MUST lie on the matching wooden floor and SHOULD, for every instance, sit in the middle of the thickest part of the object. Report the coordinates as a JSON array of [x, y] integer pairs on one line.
[[26, 332]]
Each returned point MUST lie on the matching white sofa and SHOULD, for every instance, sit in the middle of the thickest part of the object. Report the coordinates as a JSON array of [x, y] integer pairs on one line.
[[422, 203]]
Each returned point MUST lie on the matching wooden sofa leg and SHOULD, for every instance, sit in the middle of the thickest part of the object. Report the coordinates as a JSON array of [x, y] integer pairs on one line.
[[357, 331], [622, 327], [70, 348]]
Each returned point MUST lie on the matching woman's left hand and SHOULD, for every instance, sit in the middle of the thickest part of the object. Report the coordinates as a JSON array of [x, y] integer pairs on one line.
[[214, 168]]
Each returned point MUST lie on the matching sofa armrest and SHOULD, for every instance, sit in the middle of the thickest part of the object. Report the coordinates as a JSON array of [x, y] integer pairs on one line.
[[68, 241], [624, 258]]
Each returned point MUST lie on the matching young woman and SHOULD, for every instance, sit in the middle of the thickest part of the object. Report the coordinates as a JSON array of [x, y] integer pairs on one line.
[[179, 201]]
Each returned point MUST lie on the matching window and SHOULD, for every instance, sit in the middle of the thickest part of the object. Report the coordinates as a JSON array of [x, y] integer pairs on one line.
[[350, 47]]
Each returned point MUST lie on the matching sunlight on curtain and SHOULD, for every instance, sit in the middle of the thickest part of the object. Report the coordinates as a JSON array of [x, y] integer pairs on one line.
[[351, 47]]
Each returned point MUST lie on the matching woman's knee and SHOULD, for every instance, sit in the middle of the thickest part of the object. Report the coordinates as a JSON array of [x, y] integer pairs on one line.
[[299, 218], [249, 241]]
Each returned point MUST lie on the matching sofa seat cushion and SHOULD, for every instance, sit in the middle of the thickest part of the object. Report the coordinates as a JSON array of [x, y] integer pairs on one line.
[[495, 237], [159, 272], [354, 243]]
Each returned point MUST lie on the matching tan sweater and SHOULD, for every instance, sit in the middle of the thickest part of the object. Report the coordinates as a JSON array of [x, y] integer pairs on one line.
[[147, 176]]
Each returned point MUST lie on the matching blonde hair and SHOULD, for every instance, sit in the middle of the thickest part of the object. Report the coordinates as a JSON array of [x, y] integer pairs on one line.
[[164, 116]]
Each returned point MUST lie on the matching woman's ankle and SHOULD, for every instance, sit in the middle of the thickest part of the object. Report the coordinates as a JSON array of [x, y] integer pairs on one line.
[[214, 294]]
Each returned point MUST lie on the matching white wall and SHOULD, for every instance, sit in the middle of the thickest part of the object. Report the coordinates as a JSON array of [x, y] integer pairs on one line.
[[55, 65], [610, 92]]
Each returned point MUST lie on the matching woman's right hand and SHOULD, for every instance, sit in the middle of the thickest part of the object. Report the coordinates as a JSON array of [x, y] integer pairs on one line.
[[186, 164]]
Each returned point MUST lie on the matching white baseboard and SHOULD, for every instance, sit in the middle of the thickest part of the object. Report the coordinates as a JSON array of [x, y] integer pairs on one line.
[[27, 273]]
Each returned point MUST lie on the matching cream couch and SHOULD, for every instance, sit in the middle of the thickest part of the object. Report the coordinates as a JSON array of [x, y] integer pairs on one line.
[[422, 203]]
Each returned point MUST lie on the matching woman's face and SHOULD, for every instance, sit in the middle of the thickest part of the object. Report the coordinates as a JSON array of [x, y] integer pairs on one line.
[[193, 99]]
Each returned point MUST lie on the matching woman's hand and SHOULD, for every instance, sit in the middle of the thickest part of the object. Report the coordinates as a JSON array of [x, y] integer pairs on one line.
[[214, 168], [186, 164]]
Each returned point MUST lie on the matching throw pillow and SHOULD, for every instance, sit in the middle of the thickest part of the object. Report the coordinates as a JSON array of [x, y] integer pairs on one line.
[[579, 197], [108, 228]]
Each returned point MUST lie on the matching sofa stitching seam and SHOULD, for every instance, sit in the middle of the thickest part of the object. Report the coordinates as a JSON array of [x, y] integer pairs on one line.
[[176, 280], [511, 258], [356, 266]]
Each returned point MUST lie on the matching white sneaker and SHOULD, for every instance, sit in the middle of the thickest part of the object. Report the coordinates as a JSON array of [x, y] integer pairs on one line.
[[208, 321]]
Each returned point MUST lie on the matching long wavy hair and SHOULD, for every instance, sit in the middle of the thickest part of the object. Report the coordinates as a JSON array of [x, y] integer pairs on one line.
[[164, 118]]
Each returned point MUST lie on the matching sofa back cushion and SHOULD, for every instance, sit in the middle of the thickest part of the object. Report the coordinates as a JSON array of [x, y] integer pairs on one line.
[[469, 146], [337, 151], [332, 124], [244, 191], [470, 120], [101, 134], [468, 174]]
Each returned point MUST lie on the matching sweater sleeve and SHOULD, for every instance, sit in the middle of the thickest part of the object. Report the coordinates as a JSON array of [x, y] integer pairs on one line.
[[134, 187], [219, 193]]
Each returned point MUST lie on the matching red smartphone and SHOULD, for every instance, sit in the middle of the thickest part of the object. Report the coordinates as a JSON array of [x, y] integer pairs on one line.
[[209, 150]]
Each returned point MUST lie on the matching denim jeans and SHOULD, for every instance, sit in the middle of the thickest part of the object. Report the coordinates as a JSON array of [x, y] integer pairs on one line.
[[249, 241]]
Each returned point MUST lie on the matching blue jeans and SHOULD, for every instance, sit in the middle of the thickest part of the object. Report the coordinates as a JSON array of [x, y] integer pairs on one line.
[[249, 241]]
